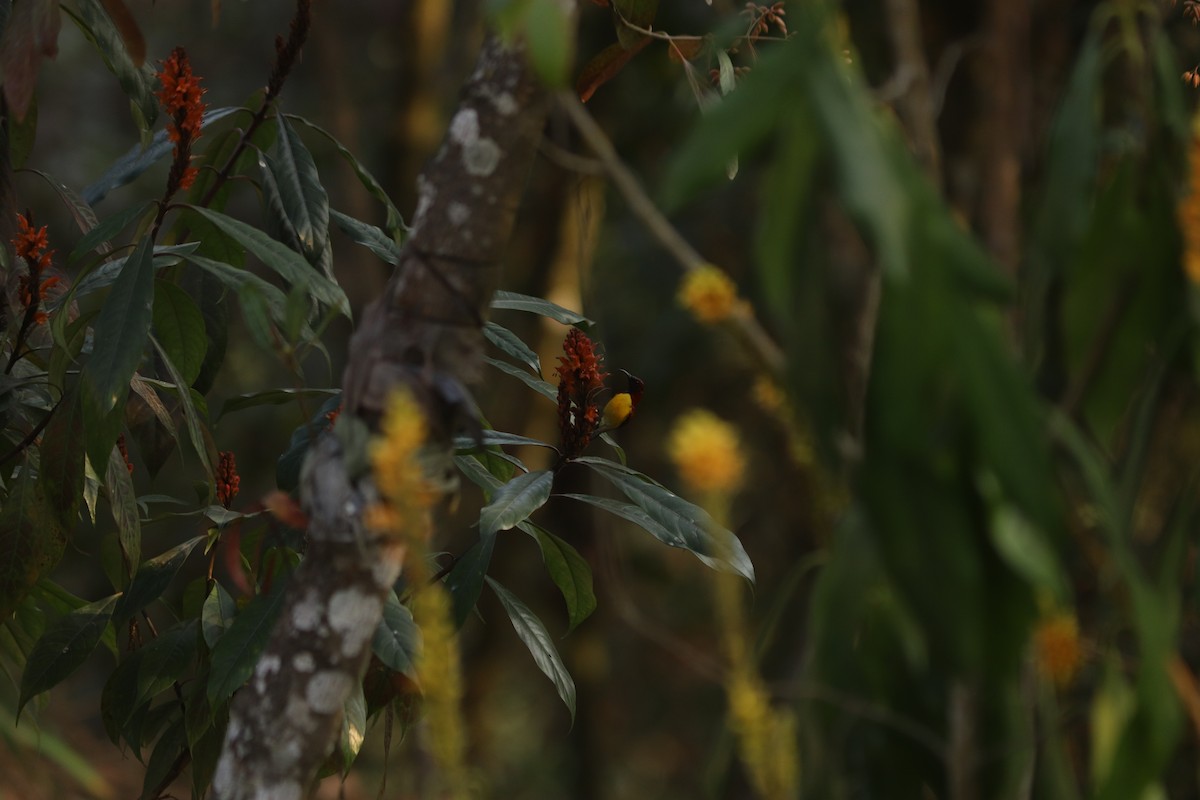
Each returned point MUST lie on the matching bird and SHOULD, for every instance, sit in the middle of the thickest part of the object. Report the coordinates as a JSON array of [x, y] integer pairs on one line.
[[620, 407]]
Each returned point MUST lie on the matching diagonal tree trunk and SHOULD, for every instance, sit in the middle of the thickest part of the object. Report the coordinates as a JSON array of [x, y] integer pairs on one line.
[[423, 333]]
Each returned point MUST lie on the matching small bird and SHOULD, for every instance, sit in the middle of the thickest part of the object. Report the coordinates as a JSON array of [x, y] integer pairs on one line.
[[620, 407]]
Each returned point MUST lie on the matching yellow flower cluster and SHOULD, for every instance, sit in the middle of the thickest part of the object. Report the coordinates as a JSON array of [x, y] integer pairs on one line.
[[707, 453], [709, 294], [1058, 648], [397, 468], [1188, 213], [440, 675], [766, 738]]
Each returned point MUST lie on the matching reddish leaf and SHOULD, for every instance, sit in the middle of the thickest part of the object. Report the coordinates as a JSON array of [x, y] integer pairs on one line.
[[124, 22], [603, 67], [31, 33], [681, 50]]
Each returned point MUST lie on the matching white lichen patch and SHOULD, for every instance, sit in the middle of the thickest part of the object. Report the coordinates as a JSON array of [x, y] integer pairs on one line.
[[464, 128], [303, 662], [384, 572], [299, 714], [281, 790], [267, 667], [222, 782], [505, 103], [327, 690], [426, 194], [458, 213], [353, 615], [481, 157], [306, 614]]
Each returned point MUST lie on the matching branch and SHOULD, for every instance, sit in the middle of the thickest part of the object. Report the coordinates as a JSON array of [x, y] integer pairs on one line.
[[752, 335], [423, 333]]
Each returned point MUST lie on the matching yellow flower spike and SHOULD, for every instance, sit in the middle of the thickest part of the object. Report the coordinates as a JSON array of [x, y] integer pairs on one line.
[[710, 295], [395, 461], [1058, 647], [707, 453], [1188, 213]]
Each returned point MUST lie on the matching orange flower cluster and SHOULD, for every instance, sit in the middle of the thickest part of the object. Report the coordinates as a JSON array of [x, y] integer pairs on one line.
[[579, 380], [32, 244], [181, 96], [332, 416], [227, 478]]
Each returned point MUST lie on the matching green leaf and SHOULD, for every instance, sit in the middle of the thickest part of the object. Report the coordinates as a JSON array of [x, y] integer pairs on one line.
[[234, 656], [368, 236], [120, 332], [354, 727], [397, 640], [516, 500], [540, 386], [489, 438], [395, 223], [478, 474], [290, 265], [287, 467], [97, 238], [107, 273], [138, 159], [32, 540], [79, 208], [536, 305], [294, 192], [276, 397], [511, 344], [179, 328], [142, 676], [569, 571], [151, 580], [465, 580], [138, 82], [669, 518], [62, 459], [217, 614], [187, 401], [162, 760], [123, 500], [533, 633], [64, 648]]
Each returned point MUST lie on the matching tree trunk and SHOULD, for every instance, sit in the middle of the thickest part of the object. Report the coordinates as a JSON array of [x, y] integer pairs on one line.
[[423, 333]]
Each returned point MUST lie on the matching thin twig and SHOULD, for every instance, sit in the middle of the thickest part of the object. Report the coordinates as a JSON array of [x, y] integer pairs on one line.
[[748, 329]]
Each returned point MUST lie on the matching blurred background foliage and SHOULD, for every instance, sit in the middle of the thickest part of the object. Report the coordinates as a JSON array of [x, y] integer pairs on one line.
[[973, 522]]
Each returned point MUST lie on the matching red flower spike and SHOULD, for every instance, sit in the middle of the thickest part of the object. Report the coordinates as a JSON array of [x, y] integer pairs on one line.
[[228, 480], [182, 98], [579, 380]]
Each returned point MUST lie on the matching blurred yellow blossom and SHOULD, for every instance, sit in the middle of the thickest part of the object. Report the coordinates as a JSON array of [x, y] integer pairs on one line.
[[709, 294], [1188, 213], [399, 475], [707, 453], [1058, 648]]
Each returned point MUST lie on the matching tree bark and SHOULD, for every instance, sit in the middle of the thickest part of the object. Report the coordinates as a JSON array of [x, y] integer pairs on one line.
[[423, 333]]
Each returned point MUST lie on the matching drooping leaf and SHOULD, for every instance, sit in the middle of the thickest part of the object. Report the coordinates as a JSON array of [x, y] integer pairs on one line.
[[97, 238], [120, 333], [64, 648], [534, 635], [465, 581], [136, 79], [516, 500], [143, 675], [569, 571], [540, 386], [62, 458], [108, 272], [395, 223], [536, 305], [163, 758], [197, 433], [217, 614], [179, 328], [152, 579], [368, 236], [237, 651], [508, 342], [30, 34], [138, 159], [669, 518], [290, 265], [354, 727], [489, 438], [123, 501], [296, 196], [604, 66], [397, 640], [276, 397]]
